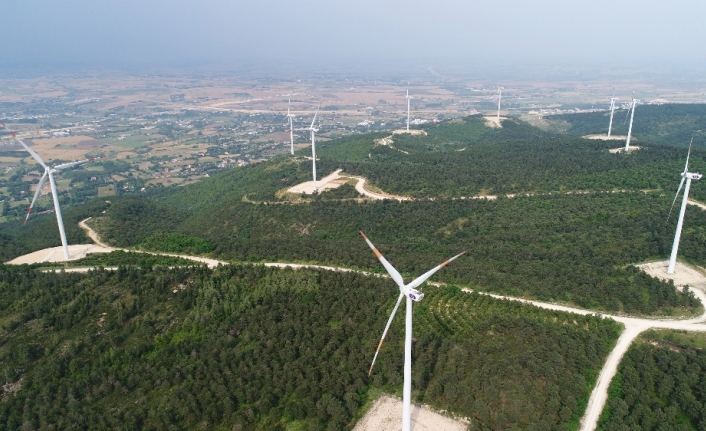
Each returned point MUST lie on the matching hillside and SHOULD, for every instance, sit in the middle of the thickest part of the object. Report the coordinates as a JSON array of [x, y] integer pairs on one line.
[[465, 158], [668, 124], [660, 381], [571, 248], [249, 347], [572, 240], [255, 348]]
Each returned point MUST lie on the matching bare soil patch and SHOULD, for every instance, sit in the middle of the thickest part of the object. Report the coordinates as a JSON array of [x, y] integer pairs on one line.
[[494, 122], [606, 137], [386, 414], [56, 254], [326, 183], [622, 149], [410, 132]]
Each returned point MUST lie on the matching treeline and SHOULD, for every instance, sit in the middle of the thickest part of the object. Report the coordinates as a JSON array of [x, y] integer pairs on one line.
[[249, 347], [668, 124], [659, 385], [126, 258], [572, 248]]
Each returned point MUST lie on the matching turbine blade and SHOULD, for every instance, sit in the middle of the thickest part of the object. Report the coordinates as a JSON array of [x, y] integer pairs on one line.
[[681, 183], [389, 321], [36, 195], [70, 164], [390, 269], [422, 278], [26, 147], [686, 166], [315, 114], [33, 154]]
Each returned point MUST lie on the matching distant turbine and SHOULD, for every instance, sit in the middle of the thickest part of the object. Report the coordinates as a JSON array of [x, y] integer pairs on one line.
[[412, 294], [408, 99], [688, 176], [313, 143], [291, 130], [48, 172], [612, 110], [632, 117], [500, 95]]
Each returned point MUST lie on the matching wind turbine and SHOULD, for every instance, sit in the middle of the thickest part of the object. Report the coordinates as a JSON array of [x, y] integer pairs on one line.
[[313, 143], [632, 117], [291, 130], [500, 95], [688, 176], [49, 172], [612, 110], [408, 99], [412, 294]]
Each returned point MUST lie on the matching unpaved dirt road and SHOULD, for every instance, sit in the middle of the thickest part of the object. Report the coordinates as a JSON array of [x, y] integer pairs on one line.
[[684, 275]]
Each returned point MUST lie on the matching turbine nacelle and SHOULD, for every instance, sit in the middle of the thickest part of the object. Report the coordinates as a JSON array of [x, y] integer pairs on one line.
[[415, 295], [692, 176]]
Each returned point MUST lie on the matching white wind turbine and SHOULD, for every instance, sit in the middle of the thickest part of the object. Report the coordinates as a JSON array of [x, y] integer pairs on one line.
[[500, 95], [313, 143], [612, 110], [412, 294], [49, 172], [291, 130], [408, 99], [688, 176], [632, 117]]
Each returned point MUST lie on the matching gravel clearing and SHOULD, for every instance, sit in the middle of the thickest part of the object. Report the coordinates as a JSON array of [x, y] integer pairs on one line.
[[386, 414]]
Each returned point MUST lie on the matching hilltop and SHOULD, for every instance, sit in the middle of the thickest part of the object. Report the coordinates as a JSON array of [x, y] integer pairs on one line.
[[668, 124]]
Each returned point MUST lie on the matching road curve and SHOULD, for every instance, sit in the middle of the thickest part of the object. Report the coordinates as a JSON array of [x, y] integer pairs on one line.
[[212, 263], [599, 395]]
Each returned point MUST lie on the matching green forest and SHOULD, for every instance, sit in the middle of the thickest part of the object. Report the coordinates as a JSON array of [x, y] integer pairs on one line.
[[660, 384], [255, 348], [668, 124], [162, 344], [554, 245], [568, 248]]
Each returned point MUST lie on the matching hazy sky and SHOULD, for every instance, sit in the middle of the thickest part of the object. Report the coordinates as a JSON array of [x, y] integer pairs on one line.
[[127, 33]]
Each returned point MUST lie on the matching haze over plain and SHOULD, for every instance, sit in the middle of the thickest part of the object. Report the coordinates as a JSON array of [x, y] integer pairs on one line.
[[320, 34]]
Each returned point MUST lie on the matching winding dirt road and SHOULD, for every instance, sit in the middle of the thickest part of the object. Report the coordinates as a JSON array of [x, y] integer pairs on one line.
[[684, 275], [211, 263]]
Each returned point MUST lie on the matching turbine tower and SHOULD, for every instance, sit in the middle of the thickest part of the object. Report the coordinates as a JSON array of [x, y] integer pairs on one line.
[[500, 95], [632, 117], [612, 110], [412, 294], [688, 176], [313, 143], [291, 130], [48, 172], [408, 99]]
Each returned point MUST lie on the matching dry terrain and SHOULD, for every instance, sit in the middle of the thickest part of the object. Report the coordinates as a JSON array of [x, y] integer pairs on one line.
[[386, 414]]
